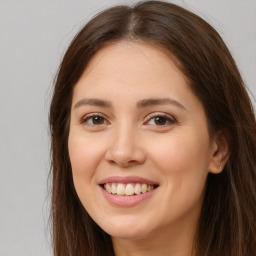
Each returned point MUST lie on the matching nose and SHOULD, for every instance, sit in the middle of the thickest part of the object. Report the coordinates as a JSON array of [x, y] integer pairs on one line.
[[125, 148]]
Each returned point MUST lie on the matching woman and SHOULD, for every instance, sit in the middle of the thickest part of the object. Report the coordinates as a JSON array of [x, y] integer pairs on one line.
[[153, 139]]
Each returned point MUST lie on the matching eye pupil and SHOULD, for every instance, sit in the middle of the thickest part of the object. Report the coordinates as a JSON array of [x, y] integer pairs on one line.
[[160, 120], [98, 120]]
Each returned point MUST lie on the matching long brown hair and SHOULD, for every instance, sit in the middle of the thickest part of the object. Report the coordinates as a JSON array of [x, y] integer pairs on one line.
[[227, 226]]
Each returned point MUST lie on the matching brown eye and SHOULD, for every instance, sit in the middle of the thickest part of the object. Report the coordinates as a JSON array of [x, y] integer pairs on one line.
[[160, 120], [94, 120]]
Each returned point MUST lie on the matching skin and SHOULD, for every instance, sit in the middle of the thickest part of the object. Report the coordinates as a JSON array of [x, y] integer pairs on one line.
[[128, 140]]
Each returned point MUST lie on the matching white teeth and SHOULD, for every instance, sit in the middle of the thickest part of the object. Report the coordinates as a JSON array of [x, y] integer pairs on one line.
[[144, 188], [137, 189], [113, 188], [120, 189], [108, 188], [127, 189], [150, 187]]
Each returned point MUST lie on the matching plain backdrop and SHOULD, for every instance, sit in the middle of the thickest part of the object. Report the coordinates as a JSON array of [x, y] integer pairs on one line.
[[33, 39]]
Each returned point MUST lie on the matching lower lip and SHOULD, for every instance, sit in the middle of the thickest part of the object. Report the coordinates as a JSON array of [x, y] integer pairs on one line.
[[127, 201]]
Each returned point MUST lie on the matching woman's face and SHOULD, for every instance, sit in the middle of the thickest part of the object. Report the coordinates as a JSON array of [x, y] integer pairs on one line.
[[138, 143]]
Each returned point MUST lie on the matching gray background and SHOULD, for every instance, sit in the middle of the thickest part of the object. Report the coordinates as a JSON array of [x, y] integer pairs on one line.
[[33, 38]]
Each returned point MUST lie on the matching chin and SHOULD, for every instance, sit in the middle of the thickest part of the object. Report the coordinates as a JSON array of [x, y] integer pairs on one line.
[[127, 228]]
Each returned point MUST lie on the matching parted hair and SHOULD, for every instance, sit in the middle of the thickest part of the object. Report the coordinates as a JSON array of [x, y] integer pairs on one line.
[[227, 224]]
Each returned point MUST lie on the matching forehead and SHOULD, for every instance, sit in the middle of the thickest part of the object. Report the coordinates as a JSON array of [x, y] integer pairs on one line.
[[139, 64], [134, 52]]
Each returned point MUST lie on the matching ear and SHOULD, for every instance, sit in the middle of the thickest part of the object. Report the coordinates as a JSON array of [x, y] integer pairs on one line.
[[220, 153]]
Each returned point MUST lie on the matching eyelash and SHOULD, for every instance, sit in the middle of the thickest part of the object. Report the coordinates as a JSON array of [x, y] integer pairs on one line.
[[91, 116], [171, 120], [166, 118]]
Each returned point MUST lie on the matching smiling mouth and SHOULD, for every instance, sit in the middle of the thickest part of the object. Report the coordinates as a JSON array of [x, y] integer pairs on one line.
[[129, 189]]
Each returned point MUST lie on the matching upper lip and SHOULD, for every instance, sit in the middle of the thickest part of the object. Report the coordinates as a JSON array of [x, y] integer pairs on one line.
[[126, 180]]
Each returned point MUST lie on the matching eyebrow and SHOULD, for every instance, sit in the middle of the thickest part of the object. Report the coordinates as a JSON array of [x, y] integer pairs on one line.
[[156, 101], [93, 102], [140, 104]]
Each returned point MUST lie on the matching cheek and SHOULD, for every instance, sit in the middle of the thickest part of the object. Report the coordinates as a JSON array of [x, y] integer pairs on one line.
[[181, 152], [85, 155], [83, 148], [183, 162]]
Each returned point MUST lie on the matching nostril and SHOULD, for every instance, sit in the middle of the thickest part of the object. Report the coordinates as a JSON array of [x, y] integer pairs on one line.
[[112, 162], [124, 163]]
